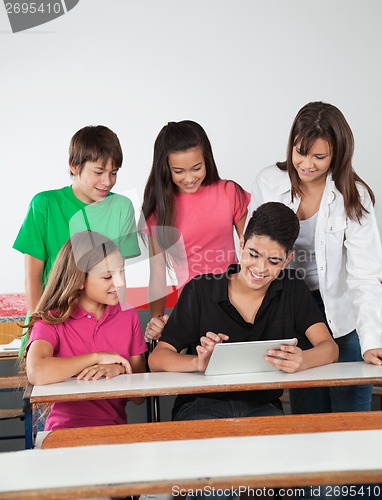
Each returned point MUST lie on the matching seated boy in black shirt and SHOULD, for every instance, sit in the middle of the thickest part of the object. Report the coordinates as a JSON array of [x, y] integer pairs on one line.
[[258, 300]]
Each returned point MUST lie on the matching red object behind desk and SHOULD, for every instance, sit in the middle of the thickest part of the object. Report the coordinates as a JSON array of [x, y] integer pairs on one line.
[[14, 305]]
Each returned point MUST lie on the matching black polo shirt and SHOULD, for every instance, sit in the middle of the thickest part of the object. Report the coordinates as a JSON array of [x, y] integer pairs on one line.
[[288, 310]]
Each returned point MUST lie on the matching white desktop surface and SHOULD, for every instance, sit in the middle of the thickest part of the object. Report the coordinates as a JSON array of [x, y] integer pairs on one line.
[[10, 349], [161, 383], [172, 461]]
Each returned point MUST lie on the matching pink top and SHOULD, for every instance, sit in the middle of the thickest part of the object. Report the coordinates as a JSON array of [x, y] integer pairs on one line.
[[116, 331], [205, 220]]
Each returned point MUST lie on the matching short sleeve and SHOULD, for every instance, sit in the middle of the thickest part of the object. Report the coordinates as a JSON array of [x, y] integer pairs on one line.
[[32, 236], [44, 331], [239, 198], [128, 244]]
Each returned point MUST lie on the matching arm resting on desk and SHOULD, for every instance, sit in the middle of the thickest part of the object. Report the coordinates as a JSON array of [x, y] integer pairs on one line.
[[292, 359], [42, 368]]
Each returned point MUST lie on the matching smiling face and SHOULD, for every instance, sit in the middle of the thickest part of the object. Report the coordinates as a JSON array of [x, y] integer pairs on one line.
[[94, 181], [104, 285], [313, 165], [262, 260], [188, 169]]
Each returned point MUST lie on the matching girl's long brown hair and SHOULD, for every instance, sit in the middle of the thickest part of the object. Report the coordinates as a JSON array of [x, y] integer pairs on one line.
[[159, 193], [319, 120]]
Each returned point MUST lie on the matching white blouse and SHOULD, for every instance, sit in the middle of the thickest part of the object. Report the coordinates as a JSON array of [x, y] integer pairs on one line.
[[348, 256]]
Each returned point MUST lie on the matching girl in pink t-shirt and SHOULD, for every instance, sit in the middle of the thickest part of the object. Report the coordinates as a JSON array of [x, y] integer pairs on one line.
[[79, 329], [188, 214]]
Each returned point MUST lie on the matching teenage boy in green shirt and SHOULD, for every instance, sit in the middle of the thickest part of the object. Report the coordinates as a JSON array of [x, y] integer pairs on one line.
[[95, 156]]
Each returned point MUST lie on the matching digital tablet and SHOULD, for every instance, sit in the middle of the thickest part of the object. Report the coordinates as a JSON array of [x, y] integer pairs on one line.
[[229, 358]]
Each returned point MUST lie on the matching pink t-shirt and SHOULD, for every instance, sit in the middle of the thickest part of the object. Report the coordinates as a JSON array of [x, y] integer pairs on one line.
[[116, 331], [206, 221]]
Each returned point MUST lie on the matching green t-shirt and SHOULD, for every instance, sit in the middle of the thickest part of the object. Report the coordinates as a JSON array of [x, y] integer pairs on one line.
[[54, 215]]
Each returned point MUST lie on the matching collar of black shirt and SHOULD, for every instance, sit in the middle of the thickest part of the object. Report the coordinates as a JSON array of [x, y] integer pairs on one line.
[[220, 284]]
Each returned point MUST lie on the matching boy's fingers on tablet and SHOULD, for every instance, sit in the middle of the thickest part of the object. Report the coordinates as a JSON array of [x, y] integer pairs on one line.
[[217, 337], [201, 349], [213, 336], [223, 336], [206, 342], [203, 357], [276, 353], [276, 361], [289, 348]]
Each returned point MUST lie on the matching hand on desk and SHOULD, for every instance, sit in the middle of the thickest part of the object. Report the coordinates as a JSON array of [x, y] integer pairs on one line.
[[109, 365], [373, 356], [207, 345], [288, 359], [98, 371], [155, 327]]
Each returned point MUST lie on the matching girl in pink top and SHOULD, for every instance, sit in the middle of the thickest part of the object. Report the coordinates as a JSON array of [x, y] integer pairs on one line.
[[79, 329], [188, 213]]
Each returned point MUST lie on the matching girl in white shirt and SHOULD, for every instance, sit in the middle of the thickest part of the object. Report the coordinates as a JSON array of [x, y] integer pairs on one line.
[[339, 247]]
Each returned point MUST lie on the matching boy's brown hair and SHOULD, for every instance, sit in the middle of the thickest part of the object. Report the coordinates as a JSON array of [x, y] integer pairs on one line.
[[95, 143]]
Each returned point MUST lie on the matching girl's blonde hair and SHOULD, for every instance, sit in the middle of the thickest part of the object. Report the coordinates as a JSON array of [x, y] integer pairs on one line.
[[79, 255]]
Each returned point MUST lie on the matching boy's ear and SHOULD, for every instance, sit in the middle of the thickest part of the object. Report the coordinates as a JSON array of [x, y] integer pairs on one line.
[[73, 169], [289, 258], [241, 242]]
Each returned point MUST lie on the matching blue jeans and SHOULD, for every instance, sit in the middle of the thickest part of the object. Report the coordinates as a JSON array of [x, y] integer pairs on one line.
[[208, 408], [334, 399]]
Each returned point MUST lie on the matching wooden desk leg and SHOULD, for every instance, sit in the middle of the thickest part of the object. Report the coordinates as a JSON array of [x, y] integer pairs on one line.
[[27, 407]]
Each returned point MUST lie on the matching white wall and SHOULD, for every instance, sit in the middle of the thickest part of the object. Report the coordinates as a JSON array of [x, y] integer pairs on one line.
[[242, 68]]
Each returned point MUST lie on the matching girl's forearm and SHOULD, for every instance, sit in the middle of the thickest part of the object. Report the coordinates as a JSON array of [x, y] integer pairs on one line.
[[49, 370]]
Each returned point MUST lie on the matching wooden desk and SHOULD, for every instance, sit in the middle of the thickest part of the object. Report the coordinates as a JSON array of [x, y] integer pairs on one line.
[[347, 457], [166, 383], [222, 427]]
